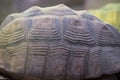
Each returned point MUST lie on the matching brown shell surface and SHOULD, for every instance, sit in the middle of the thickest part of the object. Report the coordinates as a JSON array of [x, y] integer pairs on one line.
[[58, 42]]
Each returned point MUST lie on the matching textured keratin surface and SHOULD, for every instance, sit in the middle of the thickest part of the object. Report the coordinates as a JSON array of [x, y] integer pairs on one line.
[[57, 43]]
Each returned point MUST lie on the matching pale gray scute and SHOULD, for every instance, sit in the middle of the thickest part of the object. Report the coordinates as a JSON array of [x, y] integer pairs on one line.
[[36, 11], [57, 43], [45, 28], [33, 11], [107, 36], [2, 58], [77, 31]]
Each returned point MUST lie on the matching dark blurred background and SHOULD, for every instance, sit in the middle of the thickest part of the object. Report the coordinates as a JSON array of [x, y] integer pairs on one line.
[[13, 6]]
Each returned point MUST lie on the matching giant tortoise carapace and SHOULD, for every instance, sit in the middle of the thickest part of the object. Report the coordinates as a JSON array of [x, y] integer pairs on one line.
[[58, 43]]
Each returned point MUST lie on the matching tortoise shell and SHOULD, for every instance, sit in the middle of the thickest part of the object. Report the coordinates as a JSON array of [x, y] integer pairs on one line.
[[58, 42]]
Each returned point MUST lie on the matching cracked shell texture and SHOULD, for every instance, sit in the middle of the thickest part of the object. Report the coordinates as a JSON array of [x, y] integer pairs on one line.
[[59, 43]]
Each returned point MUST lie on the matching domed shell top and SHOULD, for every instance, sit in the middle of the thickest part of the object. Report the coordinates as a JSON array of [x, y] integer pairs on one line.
[[58, 42]]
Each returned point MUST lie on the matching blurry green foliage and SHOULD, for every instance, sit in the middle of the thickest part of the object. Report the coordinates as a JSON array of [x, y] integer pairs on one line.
[[109, 13], [94, 4]]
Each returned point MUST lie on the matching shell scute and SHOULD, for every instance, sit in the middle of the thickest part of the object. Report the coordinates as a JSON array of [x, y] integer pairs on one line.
[[59, 45]]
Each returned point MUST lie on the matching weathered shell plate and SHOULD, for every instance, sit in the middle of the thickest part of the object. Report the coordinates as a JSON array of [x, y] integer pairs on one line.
[[57, 47]]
